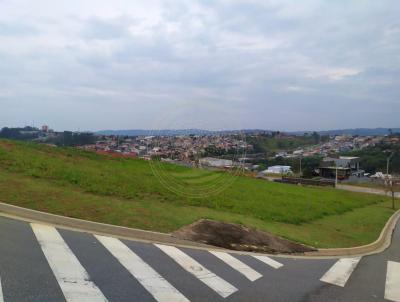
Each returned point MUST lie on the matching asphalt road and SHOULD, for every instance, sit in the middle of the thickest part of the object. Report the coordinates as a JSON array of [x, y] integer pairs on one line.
[[41, 263]]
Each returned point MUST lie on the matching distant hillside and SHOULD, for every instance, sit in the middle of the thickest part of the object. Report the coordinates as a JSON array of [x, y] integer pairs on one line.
[[362, 131], [175, 132], [148, 132], [355, 131]]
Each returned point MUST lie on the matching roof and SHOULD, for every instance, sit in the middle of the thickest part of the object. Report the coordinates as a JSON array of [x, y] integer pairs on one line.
[[279, 167], [334, 168]]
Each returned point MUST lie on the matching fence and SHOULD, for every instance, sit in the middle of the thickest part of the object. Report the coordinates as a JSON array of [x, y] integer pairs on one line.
[[308, 182]]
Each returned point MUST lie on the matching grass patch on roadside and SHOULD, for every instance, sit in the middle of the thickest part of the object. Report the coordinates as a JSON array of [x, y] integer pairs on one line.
[[125, 192], [357, 227]]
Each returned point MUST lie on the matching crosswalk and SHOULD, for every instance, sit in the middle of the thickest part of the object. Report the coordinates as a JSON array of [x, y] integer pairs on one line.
[[269, 261], [75, 283], [340, 272], [157, 286], [238, 265], [73, 279], [392, 288], [213, 281]]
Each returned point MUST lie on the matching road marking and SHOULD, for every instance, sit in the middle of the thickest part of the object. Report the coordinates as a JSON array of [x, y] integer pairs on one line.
[[70, 274], [269, 261], [155, 284], [340, 272], [392, 287], [238, 265], [216, 283], [1, 292]]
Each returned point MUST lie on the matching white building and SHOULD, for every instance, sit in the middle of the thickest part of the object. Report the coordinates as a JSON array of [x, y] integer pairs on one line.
[[278, 170], [216, 162], [298, 152]]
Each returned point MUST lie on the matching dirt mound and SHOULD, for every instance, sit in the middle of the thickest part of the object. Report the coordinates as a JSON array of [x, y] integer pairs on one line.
[[238, 237]]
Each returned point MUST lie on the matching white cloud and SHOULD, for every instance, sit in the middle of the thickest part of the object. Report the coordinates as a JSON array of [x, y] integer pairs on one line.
[[130, 59], [297, 89], [334, 74]]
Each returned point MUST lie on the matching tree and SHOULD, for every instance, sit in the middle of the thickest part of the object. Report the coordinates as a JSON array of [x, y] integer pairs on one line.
[[316, 137], [25, 133], [374, 159]]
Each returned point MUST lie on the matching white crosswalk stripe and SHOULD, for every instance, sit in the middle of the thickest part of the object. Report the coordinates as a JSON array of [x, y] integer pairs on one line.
[[341, 271], [73, 279], [269, 261], [216, 283], [155, 284], [392, 286], [238, 265], [1, 292]]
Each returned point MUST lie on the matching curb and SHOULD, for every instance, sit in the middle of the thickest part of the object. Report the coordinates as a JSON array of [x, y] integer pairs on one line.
[[80, 225]]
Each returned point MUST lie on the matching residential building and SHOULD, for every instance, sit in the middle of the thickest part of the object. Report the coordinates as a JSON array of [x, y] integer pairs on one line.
[[343, 166], [278, 170], [216, 162]]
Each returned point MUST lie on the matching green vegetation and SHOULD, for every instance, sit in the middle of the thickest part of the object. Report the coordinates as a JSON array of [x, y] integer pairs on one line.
[[120, 191], [26, 133], [270, 143], [66, 138]]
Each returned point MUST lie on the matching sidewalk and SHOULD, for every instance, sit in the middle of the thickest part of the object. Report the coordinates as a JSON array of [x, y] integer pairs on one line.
[[367, 190]]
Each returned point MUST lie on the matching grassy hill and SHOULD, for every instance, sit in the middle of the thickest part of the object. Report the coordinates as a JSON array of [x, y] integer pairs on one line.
[[125, 192]]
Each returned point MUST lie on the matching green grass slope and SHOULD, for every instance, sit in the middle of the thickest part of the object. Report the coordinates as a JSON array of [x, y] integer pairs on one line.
[[126, 192]]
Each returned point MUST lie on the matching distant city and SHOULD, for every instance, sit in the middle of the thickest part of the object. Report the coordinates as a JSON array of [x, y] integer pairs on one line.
[[353, 131], [332, 154]]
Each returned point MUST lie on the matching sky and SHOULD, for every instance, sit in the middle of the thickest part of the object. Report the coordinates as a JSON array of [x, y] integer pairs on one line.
[[229, 64]]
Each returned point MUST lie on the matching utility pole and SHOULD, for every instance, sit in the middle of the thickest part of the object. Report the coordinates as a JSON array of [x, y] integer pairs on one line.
[[336, 176], [301, 172], [389, 182], [392, 189], [388, 162], [395, 186]]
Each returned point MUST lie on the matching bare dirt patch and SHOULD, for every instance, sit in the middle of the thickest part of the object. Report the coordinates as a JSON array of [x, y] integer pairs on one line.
[[6, 146], [238, 237]]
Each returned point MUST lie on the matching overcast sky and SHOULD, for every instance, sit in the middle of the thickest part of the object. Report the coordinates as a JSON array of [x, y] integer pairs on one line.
[[289, 65]]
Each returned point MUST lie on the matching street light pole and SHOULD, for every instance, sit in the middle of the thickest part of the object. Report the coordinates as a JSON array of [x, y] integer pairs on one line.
[[336, 177], [388, 162], [389, 182], [301, 173], [392, 191]]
